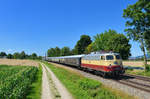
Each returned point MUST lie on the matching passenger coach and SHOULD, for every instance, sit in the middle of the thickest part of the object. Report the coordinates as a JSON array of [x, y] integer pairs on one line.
[[105, 63]]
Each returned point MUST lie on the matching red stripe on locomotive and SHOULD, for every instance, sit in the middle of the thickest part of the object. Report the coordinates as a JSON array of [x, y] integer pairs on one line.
[[102, 68]]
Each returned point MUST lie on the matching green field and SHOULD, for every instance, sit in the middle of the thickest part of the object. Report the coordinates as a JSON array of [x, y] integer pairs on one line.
[[36, 87], [15, 81], [85, 88]]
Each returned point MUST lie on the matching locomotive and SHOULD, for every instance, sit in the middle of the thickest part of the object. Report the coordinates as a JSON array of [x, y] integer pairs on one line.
[[104, 63]]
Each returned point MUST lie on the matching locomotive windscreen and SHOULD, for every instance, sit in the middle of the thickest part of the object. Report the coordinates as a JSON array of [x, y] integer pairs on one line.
[[109, 57]]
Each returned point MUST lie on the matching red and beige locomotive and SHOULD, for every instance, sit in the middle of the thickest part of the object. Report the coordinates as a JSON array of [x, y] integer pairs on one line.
[[106, 63]]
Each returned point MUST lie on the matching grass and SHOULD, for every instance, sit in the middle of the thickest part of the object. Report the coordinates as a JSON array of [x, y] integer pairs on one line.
[[139, 72], [35, 88], [85, 88]]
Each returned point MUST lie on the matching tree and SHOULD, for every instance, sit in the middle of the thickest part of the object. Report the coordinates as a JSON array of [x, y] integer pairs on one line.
[[51, 52], [40, 57], [73, 52], [2, 54], [138, 23], [57, 51], [112, 41], [9, 56], [147, 41], [89, 48], [65, 51], [81, 45], [34, 56], [16, 55], [22, 55]]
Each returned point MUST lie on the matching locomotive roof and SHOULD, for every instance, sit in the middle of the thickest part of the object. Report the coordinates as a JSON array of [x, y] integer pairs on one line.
[[73, 56], [84, 55], [102, 54]]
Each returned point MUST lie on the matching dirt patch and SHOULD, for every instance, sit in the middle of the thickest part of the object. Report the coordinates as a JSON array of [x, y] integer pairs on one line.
[[18, 62], [46, 92], [58, 91]]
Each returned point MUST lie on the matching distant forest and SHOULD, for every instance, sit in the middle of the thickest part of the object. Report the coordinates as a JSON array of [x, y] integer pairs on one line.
[[18, 55]]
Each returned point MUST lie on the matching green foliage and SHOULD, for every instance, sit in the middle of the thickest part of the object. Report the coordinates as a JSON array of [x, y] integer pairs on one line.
[[33, 56], [147, 40], [22, 55], [89, 48], [65, 51], [40, 57], [112, 41], [138, 22], [2, 54], [16, 55], [9, 56], [54, 52], [147, 68], [57, 51], [81, 45], [88, 84], [34, 92], [81, 87], [15, 80], [80, 48]]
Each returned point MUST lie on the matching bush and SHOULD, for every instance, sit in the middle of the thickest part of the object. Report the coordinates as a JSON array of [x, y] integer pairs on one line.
[[147, 68]]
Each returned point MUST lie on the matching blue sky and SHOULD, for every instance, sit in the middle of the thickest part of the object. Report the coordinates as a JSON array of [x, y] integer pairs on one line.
[[36, 25]]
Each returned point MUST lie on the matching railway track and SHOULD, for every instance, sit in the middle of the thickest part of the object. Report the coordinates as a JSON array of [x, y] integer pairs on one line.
[[137, 85], [139, 77], [133, 81]]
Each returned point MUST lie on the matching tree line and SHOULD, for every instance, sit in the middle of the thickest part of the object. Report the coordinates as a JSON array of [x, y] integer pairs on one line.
[[18, 55], [108, 41]]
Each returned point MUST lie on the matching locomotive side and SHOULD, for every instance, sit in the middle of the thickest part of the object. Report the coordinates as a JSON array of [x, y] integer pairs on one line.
[[105, 63]]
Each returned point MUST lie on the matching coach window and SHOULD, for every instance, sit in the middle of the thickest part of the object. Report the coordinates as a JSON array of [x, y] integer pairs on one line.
[[102, 57]]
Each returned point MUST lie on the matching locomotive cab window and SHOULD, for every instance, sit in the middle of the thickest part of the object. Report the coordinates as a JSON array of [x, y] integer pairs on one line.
[[102, 57], [109, 57]]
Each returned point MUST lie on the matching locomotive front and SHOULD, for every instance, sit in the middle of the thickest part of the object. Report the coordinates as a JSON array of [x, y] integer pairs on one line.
[[113, 63], [104, 63]]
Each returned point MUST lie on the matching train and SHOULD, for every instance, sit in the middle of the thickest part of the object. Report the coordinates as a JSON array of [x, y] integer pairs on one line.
[[104, 63]]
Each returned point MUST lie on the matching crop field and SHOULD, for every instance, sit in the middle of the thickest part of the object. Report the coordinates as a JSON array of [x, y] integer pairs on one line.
[[134, 63], [19, 62], [15, 81]]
